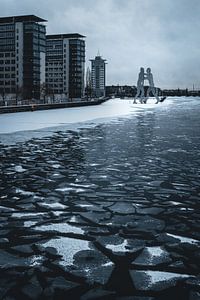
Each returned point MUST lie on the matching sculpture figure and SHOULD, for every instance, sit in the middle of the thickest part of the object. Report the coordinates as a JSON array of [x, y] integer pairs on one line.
[[151, 88], [140, 86]]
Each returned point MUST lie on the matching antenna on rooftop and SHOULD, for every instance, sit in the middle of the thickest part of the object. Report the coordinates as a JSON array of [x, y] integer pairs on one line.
[[98, 53]]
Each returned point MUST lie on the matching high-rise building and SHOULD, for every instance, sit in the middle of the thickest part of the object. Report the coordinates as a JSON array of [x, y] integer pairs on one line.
[[65, 65], [98, 67], [22, 56]]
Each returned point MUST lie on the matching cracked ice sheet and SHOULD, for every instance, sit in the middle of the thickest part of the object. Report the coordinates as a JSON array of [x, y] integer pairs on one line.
[[156, 280], [184, 239], [67, 248], [25, 193], [19, 169], [152, 256], [55, 205], [118, 248], [60, 227], [26, 214], [69, 189]]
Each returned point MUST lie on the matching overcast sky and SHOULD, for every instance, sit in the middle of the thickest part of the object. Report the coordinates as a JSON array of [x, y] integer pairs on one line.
[[161, 34]]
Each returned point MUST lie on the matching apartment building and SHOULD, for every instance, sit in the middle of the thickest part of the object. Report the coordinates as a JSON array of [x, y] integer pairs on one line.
[[22, 56], [98, 76], [65, 66]]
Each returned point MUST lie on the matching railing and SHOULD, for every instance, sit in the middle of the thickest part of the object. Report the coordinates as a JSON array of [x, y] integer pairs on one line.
[[15, 102], [43, 106]]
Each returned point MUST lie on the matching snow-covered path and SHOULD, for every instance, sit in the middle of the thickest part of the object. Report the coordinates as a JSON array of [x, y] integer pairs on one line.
[[14, 122]]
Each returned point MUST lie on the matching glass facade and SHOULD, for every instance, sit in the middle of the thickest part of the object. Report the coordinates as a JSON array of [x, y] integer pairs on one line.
[[54, 66], [7, 59], [65, 65], [76, 67], [34, 43], [22, 40], [98, 76]]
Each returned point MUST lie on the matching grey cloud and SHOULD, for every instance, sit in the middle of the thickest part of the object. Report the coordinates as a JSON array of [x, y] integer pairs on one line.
[[129, 33]]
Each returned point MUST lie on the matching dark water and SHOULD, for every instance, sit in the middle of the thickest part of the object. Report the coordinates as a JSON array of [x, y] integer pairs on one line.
[[104, 212]]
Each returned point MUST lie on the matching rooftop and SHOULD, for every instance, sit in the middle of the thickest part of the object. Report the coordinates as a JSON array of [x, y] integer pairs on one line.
[[62, 36], [98, 58], [25, 18]]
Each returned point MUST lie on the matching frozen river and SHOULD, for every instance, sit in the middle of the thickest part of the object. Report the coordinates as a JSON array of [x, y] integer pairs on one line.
[[101, 202]]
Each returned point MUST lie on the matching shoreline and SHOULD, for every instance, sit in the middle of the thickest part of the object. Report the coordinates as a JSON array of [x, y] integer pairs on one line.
[[35, 107]]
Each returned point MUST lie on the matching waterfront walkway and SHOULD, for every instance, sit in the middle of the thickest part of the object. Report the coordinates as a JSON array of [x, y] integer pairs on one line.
[[34, 107]]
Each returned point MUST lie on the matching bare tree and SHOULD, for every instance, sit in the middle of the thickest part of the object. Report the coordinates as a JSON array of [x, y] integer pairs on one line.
[[3, 95], [88, 88], [18, 94], [43, 91], [50, 93]]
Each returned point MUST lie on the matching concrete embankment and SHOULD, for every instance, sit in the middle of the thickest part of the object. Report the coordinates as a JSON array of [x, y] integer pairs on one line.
[[34, 107]]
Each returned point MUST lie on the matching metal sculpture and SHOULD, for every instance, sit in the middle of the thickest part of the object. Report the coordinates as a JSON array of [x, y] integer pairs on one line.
[[151, 88], [140, 86]]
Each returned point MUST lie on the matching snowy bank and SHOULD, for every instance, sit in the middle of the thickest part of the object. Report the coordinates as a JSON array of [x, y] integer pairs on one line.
[[18, 127]]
